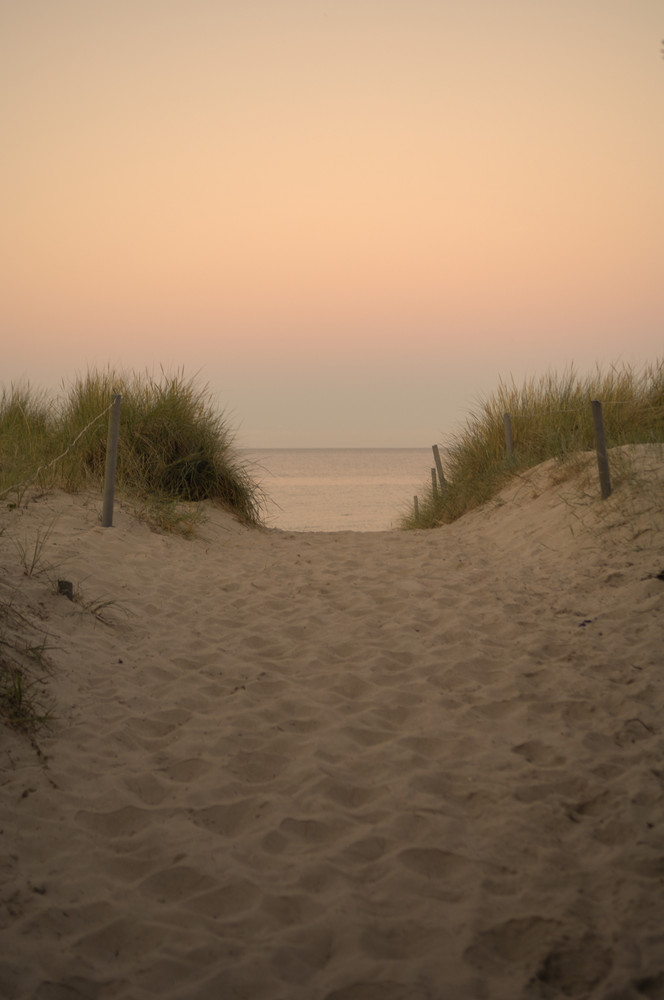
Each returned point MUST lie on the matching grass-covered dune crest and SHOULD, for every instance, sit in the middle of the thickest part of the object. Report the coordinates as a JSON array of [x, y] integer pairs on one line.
[[174, 445], [551, 418]]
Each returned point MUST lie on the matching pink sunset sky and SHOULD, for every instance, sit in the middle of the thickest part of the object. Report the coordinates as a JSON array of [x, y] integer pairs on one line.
[[349, 217]]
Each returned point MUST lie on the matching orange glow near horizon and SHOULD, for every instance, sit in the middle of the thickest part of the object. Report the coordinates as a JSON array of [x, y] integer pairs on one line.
[[266, 191]]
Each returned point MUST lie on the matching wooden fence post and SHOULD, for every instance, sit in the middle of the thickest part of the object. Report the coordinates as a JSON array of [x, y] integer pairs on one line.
[[509, 440], [416, 508], [434, 484], [111, 461], [600, 448], [439, 466]]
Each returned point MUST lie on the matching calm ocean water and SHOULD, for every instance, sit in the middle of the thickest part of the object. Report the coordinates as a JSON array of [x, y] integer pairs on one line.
[[339, 489]]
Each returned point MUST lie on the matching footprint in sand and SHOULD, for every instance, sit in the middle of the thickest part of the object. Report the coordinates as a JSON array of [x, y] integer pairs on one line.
[[175, 883], [123, 822], [536, 752], [188, 770]]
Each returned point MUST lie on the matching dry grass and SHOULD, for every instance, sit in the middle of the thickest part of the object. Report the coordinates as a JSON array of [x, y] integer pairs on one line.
[[175, 449], [551, 418]]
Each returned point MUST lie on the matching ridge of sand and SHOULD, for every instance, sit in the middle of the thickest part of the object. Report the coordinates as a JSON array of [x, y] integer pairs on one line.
[[344, 766]]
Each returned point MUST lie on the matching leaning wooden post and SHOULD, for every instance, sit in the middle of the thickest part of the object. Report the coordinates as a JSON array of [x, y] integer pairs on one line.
[[439, 466], [509, 440], [434, 484], [600, 448], [111, 461]]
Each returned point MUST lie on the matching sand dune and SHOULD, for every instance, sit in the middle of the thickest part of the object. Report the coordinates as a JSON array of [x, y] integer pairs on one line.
[[343, 766]]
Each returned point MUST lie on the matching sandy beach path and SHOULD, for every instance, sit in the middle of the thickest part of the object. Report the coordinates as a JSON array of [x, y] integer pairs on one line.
[[378, 766]]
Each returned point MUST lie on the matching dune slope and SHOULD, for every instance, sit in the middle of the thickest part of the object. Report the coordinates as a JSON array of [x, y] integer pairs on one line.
[[343, 766]]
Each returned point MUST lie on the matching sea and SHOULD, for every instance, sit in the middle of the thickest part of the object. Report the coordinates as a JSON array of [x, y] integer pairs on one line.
[[338, 489]]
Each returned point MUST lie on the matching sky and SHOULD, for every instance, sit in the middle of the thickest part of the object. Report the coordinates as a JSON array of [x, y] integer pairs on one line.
[[349, 218]]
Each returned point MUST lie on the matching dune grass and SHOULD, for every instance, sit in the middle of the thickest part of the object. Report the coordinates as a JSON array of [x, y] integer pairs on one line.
[[551, 418], [174, 448]]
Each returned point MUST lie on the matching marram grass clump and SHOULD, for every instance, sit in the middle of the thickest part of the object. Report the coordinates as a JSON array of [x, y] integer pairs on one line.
[[175, 448], [551, 418]]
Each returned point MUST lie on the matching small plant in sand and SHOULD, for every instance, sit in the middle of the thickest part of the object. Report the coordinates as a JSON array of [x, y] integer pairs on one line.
[[551, 418], [24, 661], [99, 607], [17, 704], [23, 669], [31, 553]]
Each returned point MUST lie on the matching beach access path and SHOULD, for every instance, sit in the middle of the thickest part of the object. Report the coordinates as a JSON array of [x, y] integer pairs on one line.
[[346, 766]]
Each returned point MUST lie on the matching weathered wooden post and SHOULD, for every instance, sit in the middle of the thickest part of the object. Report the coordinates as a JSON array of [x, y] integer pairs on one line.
[[434, 484], [111, 461], [600, 448], [416, 508], [439, 466], [509, 440]]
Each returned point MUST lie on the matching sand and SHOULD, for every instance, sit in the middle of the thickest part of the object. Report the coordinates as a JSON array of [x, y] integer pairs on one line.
[[354, 766]]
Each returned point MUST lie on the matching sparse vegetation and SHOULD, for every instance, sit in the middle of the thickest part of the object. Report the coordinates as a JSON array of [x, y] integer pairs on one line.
[[551, 418], [175, 448], [31, 552], [23, 672], [25, 665]]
